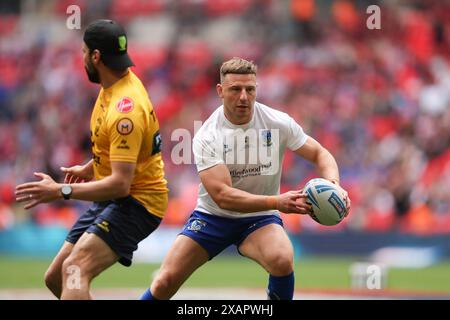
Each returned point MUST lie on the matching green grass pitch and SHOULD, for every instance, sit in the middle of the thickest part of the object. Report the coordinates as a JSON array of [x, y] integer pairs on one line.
[[311, 273]]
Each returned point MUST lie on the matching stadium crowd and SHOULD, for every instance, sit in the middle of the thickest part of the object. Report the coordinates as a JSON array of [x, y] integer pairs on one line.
[[379, 99]]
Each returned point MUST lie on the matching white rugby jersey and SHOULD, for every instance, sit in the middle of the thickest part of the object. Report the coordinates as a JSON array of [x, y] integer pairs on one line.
[[253, 153]]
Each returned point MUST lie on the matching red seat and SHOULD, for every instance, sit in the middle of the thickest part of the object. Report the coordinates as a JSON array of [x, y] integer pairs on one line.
[[124, 10], [8, 24], [227, 7], [147, 57]]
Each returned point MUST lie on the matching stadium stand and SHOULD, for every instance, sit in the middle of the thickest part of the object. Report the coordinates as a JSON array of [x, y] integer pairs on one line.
[[379, 100]]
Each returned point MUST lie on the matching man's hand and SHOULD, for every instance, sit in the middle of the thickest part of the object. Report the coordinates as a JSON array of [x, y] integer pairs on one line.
[[34, 193], [77, 174], [293, 202], [345, 197]]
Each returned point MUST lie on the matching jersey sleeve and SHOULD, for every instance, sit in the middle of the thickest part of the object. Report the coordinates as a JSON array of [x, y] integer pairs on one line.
[[296, 137], [207, 151], [126, 132]]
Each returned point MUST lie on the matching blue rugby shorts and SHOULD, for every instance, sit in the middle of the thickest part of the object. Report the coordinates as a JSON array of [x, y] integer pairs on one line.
[[216, 233]]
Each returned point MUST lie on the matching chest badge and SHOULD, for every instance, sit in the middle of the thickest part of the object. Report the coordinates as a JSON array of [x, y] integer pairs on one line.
[[125, 105], [125, 126]]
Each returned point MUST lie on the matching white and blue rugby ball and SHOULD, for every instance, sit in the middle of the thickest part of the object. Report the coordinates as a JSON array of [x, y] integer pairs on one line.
[[326, 200]]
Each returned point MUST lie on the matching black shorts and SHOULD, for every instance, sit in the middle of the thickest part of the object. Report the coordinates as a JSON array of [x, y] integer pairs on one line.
[[121, 223]]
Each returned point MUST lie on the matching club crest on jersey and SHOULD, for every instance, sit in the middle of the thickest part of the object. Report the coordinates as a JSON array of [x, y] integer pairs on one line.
[[266, 138], [125, 105], [125, 126], [196, 225]]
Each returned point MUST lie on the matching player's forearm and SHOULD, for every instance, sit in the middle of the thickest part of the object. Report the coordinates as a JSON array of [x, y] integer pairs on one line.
[[101, 190], [241, 201], [326, 166]]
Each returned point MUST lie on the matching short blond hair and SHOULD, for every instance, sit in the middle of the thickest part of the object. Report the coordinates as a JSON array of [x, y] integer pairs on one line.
[[237, 65]]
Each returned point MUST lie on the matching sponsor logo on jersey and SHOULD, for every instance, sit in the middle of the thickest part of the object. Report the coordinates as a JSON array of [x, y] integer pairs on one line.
[[104, 225], [157, 143], [267, 138], [125, 105], [125, 126], [123, 145]]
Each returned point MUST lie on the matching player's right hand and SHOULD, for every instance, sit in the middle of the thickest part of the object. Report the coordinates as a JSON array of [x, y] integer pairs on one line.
[[77, 174], [293, 202], [36, 192]]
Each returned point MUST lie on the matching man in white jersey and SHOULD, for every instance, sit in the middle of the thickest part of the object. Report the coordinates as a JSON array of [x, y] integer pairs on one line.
[[238, 153]]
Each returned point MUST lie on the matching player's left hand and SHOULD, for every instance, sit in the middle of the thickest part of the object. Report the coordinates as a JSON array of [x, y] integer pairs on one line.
[[346, 199], [34, 193]]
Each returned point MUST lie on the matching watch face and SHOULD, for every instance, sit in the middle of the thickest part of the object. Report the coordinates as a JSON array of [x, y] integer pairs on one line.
[[67, 190]]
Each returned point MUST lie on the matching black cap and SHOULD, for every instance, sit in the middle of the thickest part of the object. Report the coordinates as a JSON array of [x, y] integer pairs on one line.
[[109, 38]]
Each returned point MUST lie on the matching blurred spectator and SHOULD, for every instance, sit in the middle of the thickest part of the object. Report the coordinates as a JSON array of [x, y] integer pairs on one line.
[[378, 99]]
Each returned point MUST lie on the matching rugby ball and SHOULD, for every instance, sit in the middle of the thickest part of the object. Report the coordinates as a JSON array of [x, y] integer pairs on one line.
[[327, 202]]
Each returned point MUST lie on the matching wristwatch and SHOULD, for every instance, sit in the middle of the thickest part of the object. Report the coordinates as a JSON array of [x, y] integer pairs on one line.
[[66, 191]]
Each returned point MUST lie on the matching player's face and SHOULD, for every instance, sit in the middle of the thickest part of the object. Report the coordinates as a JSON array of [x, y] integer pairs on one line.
[[91, 71], [238, 92]]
